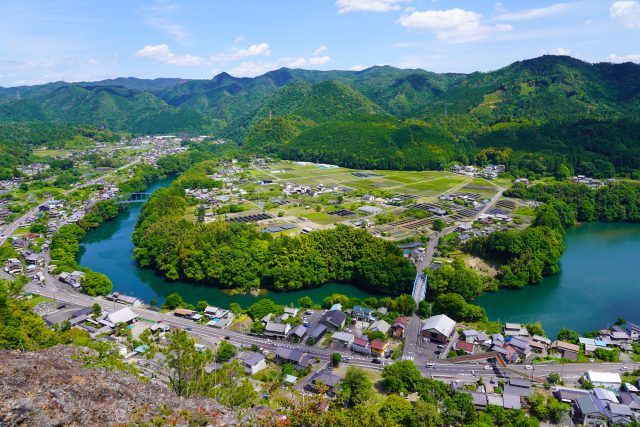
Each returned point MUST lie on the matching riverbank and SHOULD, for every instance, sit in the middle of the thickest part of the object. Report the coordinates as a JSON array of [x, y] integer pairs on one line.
[[597, 283]]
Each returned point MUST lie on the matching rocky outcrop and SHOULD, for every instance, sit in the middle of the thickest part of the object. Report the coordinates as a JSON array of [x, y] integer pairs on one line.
[[52, 388]]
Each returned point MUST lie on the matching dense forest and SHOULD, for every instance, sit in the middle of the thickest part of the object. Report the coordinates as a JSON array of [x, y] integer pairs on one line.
[[556, 114], [238, 256]]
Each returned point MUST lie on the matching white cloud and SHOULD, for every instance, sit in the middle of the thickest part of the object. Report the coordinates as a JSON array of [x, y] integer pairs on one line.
[[557, 51], [159, 17], [319, 60], [626, 12], [540, 12], [238, 39], [345, 6], [634, 57], [453, 25], [358, 67], [319, 50], [92, 62], [256, 68], [162, 53]]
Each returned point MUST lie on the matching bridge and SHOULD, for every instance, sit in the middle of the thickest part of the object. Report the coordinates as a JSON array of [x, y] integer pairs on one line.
[[419, 287], [133, 198]]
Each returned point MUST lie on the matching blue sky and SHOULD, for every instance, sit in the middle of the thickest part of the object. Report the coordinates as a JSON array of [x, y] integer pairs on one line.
[[83, 40]]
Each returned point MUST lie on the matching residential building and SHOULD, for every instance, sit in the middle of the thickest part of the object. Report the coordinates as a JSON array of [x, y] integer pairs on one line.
[[465, 346], [588, 413], [342, 339], [361, 313], [568, 350], [379, 347], [277, 330], [470, 335], [334, 319], [183, 312], [323, 380], [252, 361], [399, 327], [292, 355], [361, 345], [298, 333], [380, 326], [124, 315], [317, 333], [515, 330], [604, 379], [438, 328]]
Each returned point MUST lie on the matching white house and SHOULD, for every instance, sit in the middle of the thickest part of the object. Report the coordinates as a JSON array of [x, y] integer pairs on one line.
[[604, 379]]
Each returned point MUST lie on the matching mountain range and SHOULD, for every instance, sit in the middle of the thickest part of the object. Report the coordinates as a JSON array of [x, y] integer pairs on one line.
[[401, 117]]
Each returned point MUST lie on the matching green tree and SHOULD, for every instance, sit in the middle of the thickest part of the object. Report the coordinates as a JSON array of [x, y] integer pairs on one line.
[[356, 388], [554, 378], [305, 302], [226, 351], [568, 335], [396, 411], [97, 310], [425, 414], [336, 358], [201, 306], [174, 300], [185, 365], [235, 308], [438, 225], [94, 283], [401, 377]]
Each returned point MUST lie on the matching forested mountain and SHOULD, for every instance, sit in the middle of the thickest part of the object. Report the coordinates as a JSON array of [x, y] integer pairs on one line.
[[555, 106]]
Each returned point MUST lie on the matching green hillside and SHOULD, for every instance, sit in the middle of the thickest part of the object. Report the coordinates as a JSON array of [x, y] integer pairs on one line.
[[563, 109]]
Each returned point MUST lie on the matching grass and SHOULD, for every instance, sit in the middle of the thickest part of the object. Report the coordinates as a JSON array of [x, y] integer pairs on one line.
[[37, 299], [524, 210], [438, 184]]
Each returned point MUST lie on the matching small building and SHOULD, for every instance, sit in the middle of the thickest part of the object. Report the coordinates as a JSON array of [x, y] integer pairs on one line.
[[399, 327], [298, 333], [515, 330], [470, 335], [292, 355], [604, 379], [335, 319], [438, 328], [361, 313], [369, 210], [379, 347], [588, 413], [465, 346], [317, 333], [323, 380], [361, 345], [125, 315], [568, 350], [291, 311], [183, 312], [380, 326], [277, 330], [342, 339], [252, 361]]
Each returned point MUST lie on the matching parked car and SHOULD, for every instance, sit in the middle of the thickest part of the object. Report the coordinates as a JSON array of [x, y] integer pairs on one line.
[[440, 346], [431, 365], [528, 367], [487, 367], [378, 361], [624, 368]]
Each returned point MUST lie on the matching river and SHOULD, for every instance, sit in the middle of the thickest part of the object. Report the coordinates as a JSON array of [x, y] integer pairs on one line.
[[599, 282], [108, 250]]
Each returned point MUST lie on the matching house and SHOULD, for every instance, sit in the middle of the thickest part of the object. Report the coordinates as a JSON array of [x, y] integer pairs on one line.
[[399, 326], [470, 335], [379, 347], [380, 326], [465, 346], [518, 387], [342, 339], [605, 395], [298, 333], [568, 350], [252, 361], [317, 333], [276, 330], [159, 327], [218, 313], [335, 319], [520, 345], [480, 399], [361, 345], [438, 328], [588, 413], [34, 259], [620, 414], [511, 401], [292, 355], [515, 330], [361, 313], [604, 379], [125, 315], [337, 306], [323, 380], [291, 311], [13, 266], [634, 330], [183, 312]]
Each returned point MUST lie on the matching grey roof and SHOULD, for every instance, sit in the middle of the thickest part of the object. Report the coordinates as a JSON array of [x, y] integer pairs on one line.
[[518, 391], [617, 409], [299, 331], [250, 358], [440, 323], [335, 317], [511, 401], [520, 382], [327, 379], [318, 331], [280, 328]]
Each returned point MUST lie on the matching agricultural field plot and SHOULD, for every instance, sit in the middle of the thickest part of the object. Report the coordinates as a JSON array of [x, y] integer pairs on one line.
[[51, 153], [436, 185]]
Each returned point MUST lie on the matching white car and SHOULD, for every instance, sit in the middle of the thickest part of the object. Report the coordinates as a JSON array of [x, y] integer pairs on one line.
[[624, 368], [487, 367], [528, 367], [431, 365]]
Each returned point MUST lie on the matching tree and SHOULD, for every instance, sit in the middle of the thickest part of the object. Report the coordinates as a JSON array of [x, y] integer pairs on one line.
[[438, 224], [305, 302], [263, 307], [226, 351], [396, 410], [401, 377], [94, 283], [556, 410], [201, 306], [535, 328], [185, 364], [554, 378], [97, 310], [356, 387], [424, 309], [174, 300], [425, 414], [153, 302], [336, 358], [235, 308], [568, 335], [537, 406]]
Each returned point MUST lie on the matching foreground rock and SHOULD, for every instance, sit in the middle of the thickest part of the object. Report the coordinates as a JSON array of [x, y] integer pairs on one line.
[[51, 388]]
